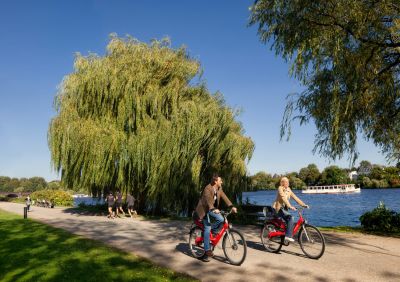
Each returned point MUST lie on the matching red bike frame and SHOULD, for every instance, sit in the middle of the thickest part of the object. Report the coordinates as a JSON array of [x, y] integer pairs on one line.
[[214, 239], [280, 223]]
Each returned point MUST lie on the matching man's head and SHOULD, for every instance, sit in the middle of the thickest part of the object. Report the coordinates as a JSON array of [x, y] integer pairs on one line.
[[216, 180]]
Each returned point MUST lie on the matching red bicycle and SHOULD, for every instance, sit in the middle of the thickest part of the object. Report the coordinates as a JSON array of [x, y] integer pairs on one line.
[[310, 239], [233, 243]]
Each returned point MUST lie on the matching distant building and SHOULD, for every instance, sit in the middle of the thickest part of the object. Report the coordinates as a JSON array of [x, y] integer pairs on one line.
[[353, 175], [364, 170]]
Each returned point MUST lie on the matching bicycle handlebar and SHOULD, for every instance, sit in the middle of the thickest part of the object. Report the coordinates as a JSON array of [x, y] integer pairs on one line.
[[224, 213]]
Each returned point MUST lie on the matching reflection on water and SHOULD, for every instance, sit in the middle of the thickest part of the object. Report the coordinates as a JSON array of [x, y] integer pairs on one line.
[[335, 209]]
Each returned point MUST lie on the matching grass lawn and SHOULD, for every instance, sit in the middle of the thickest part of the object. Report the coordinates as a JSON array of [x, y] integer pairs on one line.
[[348, 229], [31, 251]]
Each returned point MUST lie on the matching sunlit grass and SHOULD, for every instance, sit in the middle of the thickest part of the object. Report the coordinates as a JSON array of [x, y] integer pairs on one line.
[[31, 251], [349, 229]]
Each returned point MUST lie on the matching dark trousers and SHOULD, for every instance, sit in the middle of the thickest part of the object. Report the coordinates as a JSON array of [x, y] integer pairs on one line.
[[289, 221]]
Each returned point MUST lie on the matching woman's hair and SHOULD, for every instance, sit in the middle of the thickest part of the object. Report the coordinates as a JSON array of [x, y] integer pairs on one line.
[[282, 179]]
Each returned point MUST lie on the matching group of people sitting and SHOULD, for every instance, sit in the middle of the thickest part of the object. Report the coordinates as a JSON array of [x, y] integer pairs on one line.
[[115, 202], [43, 203]]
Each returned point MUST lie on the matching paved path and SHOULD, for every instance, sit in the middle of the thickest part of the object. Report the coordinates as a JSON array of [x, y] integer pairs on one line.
[[348, 257]]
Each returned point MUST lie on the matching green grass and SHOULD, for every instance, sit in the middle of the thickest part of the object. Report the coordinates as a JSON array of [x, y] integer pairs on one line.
[[348, 229], [31, 251]]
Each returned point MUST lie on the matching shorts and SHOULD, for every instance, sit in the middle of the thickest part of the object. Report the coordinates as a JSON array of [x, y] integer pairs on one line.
[[130, 207], [119, 204], [110, 205]]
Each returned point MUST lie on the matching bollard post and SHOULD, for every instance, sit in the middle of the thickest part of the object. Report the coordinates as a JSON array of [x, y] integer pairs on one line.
[[25, 212]]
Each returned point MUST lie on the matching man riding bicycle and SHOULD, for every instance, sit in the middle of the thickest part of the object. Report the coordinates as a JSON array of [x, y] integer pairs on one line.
[[207, 209]]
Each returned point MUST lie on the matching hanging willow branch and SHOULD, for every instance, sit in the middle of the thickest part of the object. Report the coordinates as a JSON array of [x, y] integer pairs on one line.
[[134, 120]]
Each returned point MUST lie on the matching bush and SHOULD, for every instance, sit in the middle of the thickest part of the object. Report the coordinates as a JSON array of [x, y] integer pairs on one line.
[[379, 183], [381, 219], [57, 197], [4, 199]]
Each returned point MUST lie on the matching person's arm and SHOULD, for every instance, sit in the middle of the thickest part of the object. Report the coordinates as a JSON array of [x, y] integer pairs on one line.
[[228, 202], [282, 195], [297, 199]]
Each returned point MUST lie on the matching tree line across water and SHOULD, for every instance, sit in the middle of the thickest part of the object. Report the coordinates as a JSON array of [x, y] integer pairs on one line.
[[32, 184], [367, 176]]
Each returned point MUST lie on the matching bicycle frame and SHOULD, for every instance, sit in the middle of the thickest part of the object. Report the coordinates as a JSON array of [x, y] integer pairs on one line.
[[213, 239], [281, 224]]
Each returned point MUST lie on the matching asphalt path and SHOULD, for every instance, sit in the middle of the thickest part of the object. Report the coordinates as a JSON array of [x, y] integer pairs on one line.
[[348, 256]]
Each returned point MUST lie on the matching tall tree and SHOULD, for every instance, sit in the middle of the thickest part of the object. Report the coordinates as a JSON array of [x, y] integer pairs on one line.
[[260, 180], [334, 175], [365, 167], [347, 55], [310, 174], [135, 119]]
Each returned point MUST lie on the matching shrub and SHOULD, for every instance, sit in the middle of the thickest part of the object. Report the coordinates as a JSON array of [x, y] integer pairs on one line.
[[379, 183], [57, 197], [4, 199], [381, 219]]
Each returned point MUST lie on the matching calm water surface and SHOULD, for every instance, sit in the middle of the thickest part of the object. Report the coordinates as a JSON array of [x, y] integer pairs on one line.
[[334, 209]]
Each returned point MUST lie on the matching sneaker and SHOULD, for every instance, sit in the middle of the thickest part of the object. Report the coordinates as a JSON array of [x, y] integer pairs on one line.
[[209, 253], [205, 258], [289, 239]]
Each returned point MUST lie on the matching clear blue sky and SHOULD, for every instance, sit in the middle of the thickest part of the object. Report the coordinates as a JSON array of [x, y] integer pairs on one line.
[[39, 40]]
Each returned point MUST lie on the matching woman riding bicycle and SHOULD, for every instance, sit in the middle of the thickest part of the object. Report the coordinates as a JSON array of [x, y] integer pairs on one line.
[[282, 206]]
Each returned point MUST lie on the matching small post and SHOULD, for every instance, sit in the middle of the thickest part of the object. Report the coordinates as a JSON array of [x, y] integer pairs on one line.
[[25, 212]]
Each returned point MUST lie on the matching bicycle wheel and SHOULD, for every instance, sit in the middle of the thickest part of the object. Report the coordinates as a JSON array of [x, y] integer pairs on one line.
[[274, 244], [196, 247], [311, 241], [234, 246]]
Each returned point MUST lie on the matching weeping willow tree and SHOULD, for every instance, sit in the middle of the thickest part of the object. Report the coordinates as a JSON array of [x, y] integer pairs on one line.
[[347, 56], [135, 121]]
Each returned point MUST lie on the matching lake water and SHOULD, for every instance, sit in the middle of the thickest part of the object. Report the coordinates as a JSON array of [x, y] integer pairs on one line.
[[87, 200], [334, 209]]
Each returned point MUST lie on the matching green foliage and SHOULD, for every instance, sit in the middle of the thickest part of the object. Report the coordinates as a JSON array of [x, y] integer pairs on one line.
[[37, 252], [334, 175], [54, 185], [4, 199], [261, 180], [136, 120], [365, 167], [381, 219], [57, 197], [366, 182], [347, 56], [19, 189], [379, 183], [8, 184], [310, 174], [296, 183]]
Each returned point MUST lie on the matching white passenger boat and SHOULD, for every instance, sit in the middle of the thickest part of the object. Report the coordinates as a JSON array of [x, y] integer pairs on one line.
[[332, 189]]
